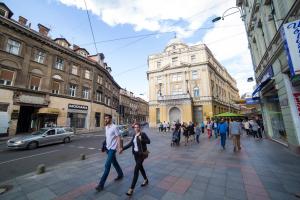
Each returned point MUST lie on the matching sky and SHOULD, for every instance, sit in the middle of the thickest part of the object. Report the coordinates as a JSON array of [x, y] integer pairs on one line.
[[148, 26]]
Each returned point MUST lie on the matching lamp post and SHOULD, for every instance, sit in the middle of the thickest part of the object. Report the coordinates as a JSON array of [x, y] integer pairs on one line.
[[187, 86], [223, 15]]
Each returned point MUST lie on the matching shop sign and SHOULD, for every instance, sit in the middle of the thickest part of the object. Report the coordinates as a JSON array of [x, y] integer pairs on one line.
[[267, 75], [297, 100], [252, 101], [291, 39], [77, 107]]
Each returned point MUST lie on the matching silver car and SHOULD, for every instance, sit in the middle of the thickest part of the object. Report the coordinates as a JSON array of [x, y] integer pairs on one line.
[[42, 137]]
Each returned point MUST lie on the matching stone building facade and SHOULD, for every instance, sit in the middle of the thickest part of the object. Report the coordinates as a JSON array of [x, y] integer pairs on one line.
[[278, 84], [132, 109], [186, 83], [46, 81]]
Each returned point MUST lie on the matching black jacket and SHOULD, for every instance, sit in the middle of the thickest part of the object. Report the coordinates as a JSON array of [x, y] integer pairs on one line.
[[142, 144]]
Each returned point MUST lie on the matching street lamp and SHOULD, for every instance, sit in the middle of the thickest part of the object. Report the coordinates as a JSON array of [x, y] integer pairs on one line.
[[250, 79], [223, 15], [160, 89], [187, 86]]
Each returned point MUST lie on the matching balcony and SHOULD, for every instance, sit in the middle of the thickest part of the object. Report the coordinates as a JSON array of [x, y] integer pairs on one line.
[[203, 98], [173, 97]]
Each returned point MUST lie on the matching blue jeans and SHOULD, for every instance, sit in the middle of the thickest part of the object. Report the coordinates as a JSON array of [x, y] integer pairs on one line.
[[223, 139], [197, 138], [216, 132], [111, 159]]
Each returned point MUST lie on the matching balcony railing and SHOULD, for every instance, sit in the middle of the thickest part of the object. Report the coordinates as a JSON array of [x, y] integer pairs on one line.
[[172, 97]]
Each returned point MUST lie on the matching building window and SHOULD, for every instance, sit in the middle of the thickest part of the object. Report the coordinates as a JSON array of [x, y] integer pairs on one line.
[[97, 119], [105, 99], [74, 70], [6, 77], [55, 87], [99, 79], [13, 47], [59, 64], [98, 96], [3, 12], [158, 64], [157, 115], [39, 57], [159, 79], [72, 90], [174, 60], [87, 74], [176, 77], [177, 89], [193, 58], [85, 93], [194, 74], [35, 83], [108, 101], [196, 92]]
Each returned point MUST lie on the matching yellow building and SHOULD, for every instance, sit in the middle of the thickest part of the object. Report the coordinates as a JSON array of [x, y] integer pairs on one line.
[[186, 83]]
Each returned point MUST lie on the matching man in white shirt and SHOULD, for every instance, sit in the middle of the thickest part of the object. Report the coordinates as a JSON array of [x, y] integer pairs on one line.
[[112, 143]]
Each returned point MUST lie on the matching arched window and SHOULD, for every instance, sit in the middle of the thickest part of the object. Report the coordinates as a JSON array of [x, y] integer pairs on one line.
[[196, 92]]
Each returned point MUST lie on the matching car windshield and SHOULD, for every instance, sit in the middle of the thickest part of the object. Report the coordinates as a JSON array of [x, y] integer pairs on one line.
[[40, 132]]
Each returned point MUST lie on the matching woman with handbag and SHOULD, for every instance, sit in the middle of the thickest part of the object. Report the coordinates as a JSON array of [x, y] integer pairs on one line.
[[139, 150]]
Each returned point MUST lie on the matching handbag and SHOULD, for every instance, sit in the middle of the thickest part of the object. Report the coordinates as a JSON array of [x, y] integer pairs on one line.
[[145, 154]]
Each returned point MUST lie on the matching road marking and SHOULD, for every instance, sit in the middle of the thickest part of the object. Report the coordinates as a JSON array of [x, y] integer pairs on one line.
[[28, 157], [91, 148], [80, 147]]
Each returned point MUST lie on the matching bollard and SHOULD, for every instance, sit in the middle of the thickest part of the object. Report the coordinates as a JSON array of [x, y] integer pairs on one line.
[[41, 169], [82, 156]]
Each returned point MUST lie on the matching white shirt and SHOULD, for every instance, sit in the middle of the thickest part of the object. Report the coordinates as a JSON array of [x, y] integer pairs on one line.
[[135, 144], [111, 133]]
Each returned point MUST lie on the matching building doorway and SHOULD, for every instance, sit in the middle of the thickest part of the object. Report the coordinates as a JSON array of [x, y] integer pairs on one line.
[[26, 119], [174, 114], [197, 114]]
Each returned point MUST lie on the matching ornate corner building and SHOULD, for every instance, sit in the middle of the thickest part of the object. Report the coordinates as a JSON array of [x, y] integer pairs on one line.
[[186, 83]]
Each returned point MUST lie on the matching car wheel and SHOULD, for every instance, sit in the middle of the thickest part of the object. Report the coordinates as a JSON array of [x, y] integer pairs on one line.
[[66, 140], [32, 145]]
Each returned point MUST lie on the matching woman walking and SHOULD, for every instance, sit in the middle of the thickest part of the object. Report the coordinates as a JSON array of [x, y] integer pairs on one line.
[[139, 150]]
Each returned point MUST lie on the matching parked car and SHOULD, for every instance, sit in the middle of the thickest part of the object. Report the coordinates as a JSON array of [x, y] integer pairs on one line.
[[42, 137], [123, 130]]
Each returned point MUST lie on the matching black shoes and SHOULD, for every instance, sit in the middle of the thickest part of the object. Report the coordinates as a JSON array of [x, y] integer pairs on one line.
[[119, 178], [146, 182], [99, 188], [130, 192]]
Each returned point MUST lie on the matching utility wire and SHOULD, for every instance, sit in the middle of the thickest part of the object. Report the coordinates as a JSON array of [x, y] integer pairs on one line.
[[87, 12]]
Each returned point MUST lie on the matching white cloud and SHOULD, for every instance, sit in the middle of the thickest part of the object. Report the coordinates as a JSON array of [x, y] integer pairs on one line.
[[227, 40]]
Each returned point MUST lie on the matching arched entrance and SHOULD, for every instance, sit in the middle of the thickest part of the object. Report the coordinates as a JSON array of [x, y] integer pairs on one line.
[[174, 114]]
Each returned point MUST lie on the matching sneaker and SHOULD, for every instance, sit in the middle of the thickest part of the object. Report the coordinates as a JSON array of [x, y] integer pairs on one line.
[[119, 178], [99, 188]]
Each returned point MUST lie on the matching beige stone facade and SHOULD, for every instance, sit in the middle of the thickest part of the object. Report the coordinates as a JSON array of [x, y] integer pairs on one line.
[[186, 83], [47, 81]]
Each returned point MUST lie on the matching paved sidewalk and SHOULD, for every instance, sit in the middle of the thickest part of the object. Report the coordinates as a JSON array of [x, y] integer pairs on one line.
[[262, 170]]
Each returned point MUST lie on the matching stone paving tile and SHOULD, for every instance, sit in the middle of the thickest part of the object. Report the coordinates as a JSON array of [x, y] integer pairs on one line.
[[44, 194]]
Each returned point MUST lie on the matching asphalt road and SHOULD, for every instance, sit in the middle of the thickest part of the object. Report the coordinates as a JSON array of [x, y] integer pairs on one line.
[[14, 163]]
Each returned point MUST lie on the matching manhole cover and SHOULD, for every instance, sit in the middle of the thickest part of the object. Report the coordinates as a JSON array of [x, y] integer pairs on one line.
[[5, 188]]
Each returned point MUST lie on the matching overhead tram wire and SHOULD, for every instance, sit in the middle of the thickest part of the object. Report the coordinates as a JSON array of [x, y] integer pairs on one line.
[[87, 12]]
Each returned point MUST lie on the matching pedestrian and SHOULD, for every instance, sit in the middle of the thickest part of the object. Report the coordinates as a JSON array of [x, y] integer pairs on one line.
[[139, 150], [198, 132], [260, 129], [209, 128], [113, 141], [178, 128], [222, 128], [165, 126], [202, 127], [247, 127], [215, 127], [236, 131], [255, 128], [185, 133]]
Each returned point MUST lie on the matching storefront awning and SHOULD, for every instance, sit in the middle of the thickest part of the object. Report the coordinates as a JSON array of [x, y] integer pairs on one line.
[[53, 111], [260, 86]]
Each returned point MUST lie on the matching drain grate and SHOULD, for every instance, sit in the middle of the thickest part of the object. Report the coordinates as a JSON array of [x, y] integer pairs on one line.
[[5, 188]]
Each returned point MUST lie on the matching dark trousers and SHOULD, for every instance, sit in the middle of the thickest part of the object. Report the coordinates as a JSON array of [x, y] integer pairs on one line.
[[259, 133], [223, 139], [255, 134], [248, 131], [138, 167], [197, 138], [111, 159]]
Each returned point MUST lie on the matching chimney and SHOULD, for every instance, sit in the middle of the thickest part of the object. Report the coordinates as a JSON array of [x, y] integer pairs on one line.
[[22, 21], [43, 29]]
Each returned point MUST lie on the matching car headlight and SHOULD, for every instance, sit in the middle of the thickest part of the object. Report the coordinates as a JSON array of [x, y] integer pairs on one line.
[[19, 142]]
